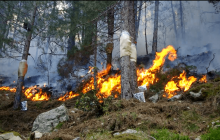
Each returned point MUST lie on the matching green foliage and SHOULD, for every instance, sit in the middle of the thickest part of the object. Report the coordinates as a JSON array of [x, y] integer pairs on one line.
[[60, 124], [213, 134], [165, 134]]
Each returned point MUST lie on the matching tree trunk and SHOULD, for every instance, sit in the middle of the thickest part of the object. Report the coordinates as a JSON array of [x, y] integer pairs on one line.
[[94, 42], [154, 46], [125, 60], [181, 19], [20, 82], [133, 31], [174, 22], [110, 46], [138, 21], [145, 33]]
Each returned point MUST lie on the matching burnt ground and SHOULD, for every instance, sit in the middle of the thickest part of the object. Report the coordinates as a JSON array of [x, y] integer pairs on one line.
[[185, 116]]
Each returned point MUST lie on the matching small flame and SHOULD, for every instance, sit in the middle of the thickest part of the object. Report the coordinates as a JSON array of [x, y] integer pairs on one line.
[[35, 94], [8, 89], [90, 69], [44, 84], [68, 95], [203, 79], [170, 89]]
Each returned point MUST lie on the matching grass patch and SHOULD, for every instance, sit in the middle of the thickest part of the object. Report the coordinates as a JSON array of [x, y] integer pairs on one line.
[[165, 134], [213, 134], [192, 127], [60, 124]]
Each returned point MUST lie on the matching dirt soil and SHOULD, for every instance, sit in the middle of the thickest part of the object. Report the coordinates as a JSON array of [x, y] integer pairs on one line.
[[185, 116]]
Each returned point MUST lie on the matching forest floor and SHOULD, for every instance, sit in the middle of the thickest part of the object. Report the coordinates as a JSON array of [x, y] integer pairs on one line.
[[174, 119]]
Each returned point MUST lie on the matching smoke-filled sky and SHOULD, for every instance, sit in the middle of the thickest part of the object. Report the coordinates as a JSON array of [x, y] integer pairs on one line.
[[201, 24]]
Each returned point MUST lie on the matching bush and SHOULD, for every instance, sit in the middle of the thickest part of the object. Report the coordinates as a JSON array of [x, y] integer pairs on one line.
[[214, 134]]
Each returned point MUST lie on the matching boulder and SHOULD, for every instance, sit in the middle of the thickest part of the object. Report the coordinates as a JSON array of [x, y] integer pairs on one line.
[[9, 136], [47, 121]]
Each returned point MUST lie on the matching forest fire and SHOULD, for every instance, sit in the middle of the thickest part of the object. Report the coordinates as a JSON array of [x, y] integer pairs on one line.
[[107, 85]]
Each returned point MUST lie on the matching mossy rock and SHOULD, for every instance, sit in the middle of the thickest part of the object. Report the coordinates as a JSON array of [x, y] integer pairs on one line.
[[15, 133]]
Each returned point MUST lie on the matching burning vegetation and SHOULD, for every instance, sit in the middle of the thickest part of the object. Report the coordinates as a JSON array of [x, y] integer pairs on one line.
[[111, 84]]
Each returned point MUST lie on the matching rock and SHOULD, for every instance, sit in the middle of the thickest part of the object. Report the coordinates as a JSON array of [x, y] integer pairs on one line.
[[198, 138], [142, 88], [38, 134], [77, 138], [140, 96], [46, 121], [176, 97], [9, 136], [198, 95], [217, 126], [154, 98], [129, 131], [15, 138], [188, 107], [115, 134]]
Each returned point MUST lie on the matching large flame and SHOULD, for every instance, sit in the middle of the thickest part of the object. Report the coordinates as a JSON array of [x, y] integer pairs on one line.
[[147, 77], [35, 94], [8, 89], [184, 84]]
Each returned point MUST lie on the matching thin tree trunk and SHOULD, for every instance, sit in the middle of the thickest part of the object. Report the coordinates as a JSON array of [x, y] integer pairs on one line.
[[181, 19], [138, 21], [20, 82], [145, 33], [94, 41], [154, 46], [125, 60], [110, 16], [174, 22], [132, 31]]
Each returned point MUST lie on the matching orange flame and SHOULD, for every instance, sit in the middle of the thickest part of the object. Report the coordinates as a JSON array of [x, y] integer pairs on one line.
[[35, 94], [171, 89], [203, 79], [68, 95], [184, 84], [8, 89], [148, 77]]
